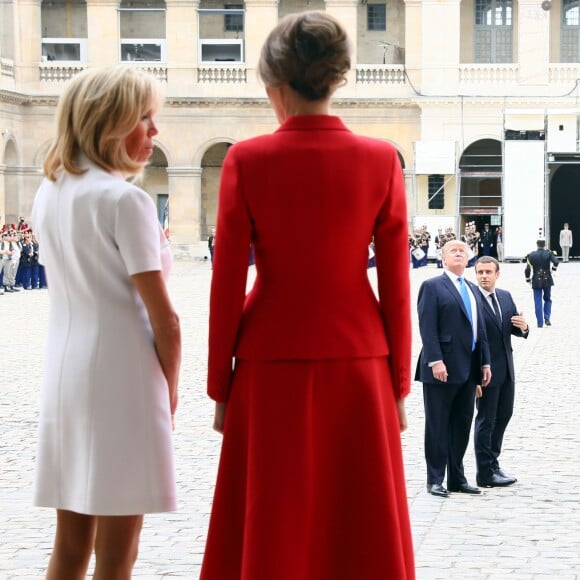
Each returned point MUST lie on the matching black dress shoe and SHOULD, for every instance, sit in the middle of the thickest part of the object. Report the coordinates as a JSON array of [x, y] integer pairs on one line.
[[465, 488], [496, 480], [547, 322], [437, 489], [501, 472]]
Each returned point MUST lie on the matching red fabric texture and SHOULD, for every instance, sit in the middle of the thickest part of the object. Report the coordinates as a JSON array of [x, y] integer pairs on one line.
[[311, 483], [309, 198]]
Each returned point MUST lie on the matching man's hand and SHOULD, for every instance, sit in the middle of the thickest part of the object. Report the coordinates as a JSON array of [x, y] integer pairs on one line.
[[478, 392], [486, 376], [520, 322], [439, 371]]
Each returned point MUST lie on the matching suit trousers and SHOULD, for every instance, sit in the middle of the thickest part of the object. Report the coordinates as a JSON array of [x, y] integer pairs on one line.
[[543, 312], [494, 411], [565, 253], [448, 414]]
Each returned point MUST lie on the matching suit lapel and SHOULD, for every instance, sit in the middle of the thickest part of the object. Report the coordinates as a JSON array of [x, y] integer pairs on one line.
[[487, 306]]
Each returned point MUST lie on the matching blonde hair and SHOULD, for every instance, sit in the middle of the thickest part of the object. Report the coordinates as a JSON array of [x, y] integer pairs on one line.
[[96, 112], [309, 51]]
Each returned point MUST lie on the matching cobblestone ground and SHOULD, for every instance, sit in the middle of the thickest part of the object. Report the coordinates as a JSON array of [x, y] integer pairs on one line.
[[528, 531]]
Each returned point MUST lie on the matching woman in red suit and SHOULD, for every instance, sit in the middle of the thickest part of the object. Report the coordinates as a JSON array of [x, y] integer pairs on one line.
[[310, 483]]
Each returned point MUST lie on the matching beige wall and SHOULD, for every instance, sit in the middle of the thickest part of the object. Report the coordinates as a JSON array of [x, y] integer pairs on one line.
[[369, 51], [427, 100]]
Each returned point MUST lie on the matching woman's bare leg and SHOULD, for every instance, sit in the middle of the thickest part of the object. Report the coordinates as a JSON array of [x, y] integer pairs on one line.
[[116, 546], [73, 546]]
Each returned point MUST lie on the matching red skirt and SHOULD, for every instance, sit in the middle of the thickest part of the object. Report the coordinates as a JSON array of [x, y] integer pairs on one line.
[[310, 483]]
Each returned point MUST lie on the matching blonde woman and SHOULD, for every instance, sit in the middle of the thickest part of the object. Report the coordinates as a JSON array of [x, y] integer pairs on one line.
[[109, 391]]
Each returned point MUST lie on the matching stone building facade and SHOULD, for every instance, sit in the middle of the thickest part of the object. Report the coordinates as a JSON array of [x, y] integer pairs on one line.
[[472, 93]]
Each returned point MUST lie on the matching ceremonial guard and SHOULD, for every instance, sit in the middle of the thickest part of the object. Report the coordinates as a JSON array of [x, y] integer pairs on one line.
[[471, 238], [415, 248], [486, 241], [539, 267], [425, 240]]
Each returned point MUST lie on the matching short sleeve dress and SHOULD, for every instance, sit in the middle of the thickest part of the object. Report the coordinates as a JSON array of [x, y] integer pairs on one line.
[[105, 439]]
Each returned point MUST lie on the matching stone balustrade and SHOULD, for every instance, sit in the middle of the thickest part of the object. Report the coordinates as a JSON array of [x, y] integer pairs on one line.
[[53, 72], [488, 73], [566, 72], [381, 74], [6, 67], [221, 74]]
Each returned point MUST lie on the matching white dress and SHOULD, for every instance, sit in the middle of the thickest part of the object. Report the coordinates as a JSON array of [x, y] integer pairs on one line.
[[105, 438]]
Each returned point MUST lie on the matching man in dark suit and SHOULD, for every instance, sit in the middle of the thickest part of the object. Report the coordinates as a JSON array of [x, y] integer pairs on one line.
[[454, 359], [495, 403], [539, 267]]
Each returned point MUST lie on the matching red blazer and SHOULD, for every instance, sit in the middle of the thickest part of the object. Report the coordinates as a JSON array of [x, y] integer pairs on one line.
[[309, 198]]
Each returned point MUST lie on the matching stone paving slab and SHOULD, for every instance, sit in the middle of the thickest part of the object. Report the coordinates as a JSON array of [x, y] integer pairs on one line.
[[530, 531]]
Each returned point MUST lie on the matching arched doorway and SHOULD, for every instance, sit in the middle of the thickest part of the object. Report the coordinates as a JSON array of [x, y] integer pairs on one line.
[[480, 179], [156, 183], [565, 205], [211, 167]]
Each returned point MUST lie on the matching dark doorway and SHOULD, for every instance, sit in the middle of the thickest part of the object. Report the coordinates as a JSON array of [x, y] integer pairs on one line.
[[565, 205], [480, 171]]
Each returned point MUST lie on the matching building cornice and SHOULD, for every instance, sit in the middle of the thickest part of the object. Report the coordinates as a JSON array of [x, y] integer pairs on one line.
[[13, 98], [415, 101]]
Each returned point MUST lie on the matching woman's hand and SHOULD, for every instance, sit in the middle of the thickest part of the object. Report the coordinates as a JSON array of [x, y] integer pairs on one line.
[[402, 414], [166, 329], [219, 417]]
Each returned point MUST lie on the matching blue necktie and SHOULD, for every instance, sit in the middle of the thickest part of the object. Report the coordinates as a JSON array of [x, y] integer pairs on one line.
[[467, 302]]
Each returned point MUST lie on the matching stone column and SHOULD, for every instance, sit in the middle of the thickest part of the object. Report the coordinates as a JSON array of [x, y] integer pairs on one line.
[[103, 41], [29, 181], [413, 41], [346, 12], [184, 206], [533, 43], [440, 45], [28, 41], [182, 36], [2, 201], [261, 16]]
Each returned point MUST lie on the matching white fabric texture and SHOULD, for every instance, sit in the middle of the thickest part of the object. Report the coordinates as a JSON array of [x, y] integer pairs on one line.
[[105, 440]]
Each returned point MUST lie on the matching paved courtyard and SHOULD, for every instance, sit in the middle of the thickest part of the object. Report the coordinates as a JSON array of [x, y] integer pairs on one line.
[[528, 531]]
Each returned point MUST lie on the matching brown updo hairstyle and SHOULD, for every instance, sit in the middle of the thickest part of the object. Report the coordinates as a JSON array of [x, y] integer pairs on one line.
[[309, 51]]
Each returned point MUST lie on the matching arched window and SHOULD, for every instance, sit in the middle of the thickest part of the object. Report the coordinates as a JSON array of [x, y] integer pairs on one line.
[[493, 31]]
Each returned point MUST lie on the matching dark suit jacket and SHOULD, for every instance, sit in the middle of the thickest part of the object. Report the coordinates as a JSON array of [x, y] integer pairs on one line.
[[499, 336], [309, 198], [447, 334]]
